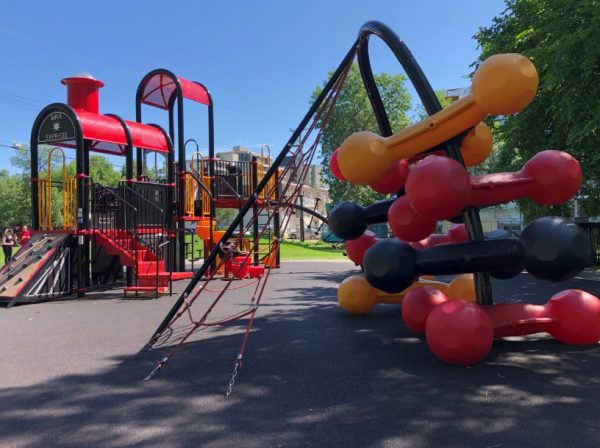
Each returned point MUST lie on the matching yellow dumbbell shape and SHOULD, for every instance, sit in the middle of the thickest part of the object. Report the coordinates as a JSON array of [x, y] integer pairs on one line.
[[503, 84], [356, 296]]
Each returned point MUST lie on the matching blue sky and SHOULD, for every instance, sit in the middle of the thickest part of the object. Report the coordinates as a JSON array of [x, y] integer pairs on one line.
[[260, 59]]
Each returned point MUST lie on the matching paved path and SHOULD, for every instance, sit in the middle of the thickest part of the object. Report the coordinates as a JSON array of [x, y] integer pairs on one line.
[[70, 376]]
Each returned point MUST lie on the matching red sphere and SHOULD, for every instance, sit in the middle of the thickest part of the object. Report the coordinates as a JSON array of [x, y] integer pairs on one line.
[[557, 177], [438, 187], [334, 166], [407, 224], [417, 305], [459, 332], [355, 249], [393, 179], [458, 233], [578, 317]]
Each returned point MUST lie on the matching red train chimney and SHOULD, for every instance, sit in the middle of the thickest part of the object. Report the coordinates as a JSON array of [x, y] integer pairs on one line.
[[82, 92]]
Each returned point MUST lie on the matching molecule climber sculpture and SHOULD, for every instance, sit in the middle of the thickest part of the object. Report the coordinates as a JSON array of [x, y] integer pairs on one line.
[[434, 187]]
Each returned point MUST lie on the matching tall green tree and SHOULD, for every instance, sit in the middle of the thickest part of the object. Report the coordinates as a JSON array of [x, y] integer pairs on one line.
[[353, 113], [15, 200], [561, 38]]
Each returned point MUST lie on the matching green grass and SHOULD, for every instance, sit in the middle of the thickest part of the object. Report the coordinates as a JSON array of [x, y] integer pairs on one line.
[[310, 251], [295, 250]]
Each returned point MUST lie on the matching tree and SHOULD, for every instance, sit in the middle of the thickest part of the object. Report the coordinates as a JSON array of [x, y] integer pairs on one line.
[[559, 37], [15, 200], [353, 113]]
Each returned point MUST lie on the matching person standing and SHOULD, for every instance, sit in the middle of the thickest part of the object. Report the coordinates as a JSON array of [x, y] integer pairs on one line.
[[9, 240], [24, 236]]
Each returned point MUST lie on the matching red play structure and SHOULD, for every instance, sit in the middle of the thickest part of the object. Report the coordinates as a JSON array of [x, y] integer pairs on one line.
[[143, 226]]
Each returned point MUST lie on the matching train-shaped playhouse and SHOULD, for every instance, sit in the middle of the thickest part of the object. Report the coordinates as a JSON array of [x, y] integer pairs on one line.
[[87, 235]]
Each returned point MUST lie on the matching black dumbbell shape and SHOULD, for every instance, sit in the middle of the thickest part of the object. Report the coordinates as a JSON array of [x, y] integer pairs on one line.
[[509, 271], [349, 221], [549, 248]]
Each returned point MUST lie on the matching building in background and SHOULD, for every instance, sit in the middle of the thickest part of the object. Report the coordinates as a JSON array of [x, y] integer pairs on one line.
[[312, 195]]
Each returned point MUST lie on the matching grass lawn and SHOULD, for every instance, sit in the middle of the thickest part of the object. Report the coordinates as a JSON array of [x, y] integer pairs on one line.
[[310, 251], [295, 250]]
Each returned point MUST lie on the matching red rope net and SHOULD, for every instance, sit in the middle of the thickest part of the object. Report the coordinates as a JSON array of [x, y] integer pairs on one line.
[[198, 309]]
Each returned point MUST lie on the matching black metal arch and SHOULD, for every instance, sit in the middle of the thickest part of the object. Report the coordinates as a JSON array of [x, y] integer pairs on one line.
[[82, 167], [177, 98], [431, 104]]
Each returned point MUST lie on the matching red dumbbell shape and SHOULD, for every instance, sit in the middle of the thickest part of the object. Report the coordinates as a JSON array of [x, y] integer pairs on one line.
[[394, 178], [457, 233], [458, 333], [550, 177], [355, 249], [571, 316], [436, 189], [391, 182], [334, 166]]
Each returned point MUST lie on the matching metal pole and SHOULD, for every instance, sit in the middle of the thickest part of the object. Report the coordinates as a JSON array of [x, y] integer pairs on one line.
[[255, 230], [301, 197], [261, 185]]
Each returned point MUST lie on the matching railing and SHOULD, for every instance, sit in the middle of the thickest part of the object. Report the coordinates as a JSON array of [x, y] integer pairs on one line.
[[152, 221], [133, 221], [116, 218], [592, 229]]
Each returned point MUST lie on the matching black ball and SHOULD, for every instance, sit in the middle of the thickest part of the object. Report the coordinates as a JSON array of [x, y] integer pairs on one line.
[[554, 249], [390, 265], [347, 221]]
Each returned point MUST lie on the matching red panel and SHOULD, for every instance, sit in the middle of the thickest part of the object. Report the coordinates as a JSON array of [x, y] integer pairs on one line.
[[158, 91], [194, 92], [160, 88], [101, 127], [109, 137], [148, 137]]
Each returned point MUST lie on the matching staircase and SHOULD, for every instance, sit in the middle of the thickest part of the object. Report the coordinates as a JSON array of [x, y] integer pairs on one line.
[[132, 227], [149, 269]]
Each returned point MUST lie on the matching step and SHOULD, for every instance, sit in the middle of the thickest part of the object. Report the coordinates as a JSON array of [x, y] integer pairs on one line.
[[163, 278], [145, 289]]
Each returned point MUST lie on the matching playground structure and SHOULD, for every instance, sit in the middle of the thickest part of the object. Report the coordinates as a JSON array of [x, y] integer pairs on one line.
[[438, 187], [424, 167], [143, 225]]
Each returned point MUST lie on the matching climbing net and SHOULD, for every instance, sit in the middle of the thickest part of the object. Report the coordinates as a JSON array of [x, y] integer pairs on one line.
[[191, 315]]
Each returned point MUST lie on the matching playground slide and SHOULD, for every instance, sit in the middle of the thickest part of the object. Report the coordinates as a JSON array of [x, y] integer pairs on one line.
[[38, 271]]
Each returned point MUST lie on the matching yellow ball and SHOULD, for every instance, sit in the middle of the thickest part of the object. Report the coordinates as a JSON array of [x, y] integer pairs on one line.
[[477, 145], [363, 158], [356, 296], [462, 288], [505, 83]]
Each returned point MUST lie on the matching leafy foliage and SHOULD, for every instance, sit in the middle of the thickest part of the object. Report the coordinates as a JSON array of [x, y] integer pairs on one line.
[[560, 37], [15, 200], [353, 113], [15, 190]]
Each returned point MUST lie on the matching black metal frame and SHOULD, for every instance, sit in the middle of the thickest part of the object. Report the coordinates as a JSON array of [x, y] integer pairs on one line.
[[82, 158], [432, 105], [178, 138]]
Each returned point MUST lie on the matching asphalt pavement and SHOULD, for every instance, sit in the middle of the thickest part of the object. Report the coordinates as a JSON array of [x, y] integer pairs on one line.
[[71, 375]]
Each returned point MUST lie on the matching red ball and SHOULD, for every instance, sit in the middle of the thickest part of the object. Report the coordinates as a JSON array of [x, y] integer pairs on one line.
[[355, 249], [407, 224], [334, 166], [417, 305], [578, 317], [393, 179], [557, 177], [458, 233], [438, 187], [459, 332]]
